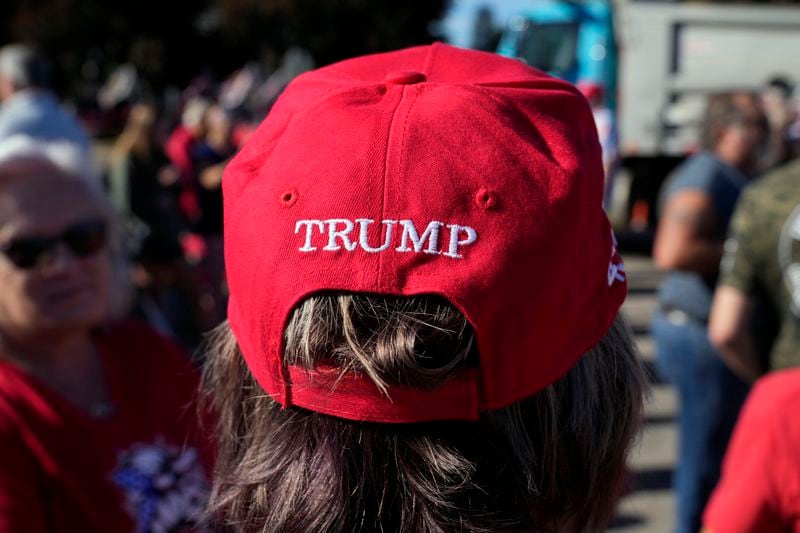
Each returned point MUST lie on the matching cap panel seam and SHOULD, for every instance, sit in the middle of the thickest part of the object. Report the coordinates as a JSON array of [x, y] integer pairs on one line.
[[328, 93], [384, 199], [254, 167], [427, 66], [401, 163], [294, 118], [500, 101], [346, 76], [277, 139]]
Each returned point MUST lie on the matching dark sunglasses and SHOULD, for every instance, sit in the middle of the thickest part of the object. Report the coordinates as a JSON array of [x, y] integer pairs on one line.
[[83, 239]]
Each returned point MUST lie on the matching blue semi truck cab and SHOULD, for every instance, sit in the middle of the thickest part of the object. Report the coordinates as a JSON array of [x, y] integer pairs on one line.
[[672, 56], [567, 39]]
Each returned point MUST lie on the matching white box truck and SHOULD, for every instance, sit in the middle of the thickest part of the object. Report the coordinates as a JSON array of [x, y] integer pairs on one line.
[[664, 61]]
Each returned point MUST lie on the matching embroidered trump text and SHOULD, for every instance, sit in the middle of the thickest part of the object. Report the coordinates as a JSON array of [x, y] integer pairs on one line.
[[399, 235]]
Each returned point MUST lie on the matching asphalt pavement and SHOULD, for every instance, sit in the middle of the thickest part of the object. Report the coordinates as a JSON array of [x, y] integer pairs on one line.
[[650, 507]]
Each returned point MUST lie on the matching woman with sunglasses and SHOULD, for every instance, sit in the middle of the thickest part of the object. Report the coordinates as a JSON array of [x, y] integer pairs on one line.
[[96, 428]]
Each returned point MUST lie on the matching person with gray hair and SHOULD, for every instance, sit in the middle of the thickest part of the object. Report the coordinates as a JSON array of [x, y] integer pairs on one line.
[[94, 434], [28, 107]]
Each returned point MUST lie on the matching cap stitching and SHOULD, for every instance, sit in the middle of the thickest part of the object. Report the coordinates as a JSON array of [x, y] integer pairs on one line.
[[427, 66], [341, 73], [277, 346], [296, 115], [548, 152], [401, 163], [322, 98], [374, 271], [538, 84], [275, 143], [386, 172]]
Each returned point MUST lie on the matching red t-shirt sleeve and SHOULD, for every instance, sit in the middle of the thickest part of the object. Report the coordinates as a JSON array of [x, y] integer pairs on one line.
[[757, 470], [21, 505]]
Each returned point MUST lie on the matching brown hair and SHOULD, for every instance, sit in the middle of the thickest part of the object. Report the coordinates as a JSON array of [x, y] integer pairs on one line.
[[550, 462], [725, 110]]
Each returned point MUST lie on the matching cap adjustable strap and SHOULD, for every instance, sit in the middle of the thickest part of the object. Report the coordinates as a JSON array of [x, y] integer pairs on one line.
[[356, 397]]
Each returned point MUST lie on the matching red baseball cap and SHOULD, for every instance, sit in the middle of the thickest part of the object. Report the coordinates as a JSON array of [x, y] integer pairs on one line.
[[430, 170]]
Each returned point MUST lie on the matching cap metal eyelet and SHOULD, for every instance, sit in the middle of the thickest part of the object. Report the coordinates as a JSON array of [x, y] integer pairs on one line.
[[486, 199], [288, 198]]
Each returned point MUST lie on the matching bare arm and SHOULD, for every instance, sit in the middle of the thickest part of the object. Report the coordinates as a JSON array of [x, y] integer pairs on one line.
[[686, 239], [729, 331], [211, 178]]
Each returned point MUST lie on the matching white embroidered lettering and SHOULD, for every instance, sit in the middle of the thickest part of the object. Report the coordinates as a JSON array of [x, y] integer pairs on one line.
[[363, 240], [455, 230], [341, 235], [616, 272], [309, 228], [334, 234], [616, 269], [431, 234]]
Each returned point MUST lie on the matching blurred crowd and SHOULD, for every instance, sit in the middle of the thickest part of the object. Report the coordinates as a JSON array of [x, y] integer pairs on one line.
[[162, 171], [727, 314], [164, 175], [114, 273]]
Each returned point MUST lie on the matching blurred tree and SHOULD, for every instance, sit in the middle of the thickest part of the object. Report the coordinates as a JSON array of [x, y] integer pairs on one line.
[[86, 37], [331, 29], [171, 41]]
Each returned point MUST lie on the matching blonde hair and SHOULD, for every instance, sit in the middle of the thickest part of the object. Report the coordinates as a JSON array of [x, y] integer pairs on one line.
[[550, 461]]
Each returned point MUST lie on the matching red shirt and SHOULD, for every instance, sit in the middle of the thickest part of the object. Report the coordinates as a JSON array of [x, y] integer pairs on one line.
[[760, 485], [179, 151], [143, 468]]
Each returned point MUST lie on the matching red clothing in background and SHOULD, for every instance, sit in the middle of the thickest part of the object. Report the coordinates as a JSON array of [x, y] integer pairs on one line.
[[143, 468], [760, 485], [178, 148]]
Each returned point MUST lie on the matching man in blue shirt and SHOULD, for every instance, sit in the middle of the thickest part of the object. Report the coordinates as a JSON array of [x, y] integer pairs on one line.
[[696, 206]]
